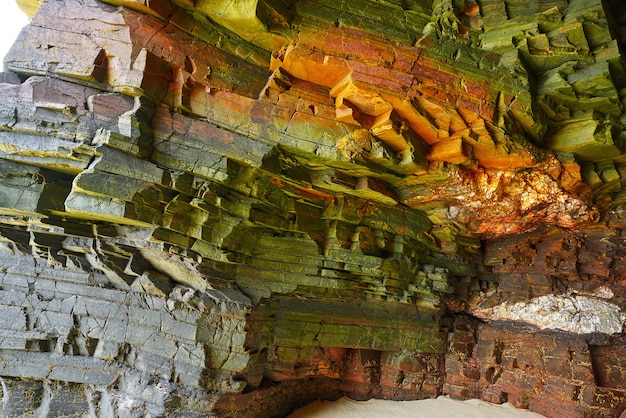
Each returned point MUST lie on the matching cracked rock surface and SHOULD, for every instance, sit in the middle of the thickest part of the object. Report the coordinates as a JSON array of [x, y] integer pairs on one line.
[[214, 208]]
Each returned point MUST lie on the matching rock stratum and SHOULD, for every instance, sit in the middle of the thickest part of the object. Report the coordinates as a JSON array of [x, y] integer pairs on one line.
[[216, 208]]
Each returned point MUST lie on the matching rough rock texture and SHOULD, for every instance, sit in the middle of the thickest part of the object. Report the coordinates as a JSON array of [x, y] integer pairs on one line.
[[235, 208]]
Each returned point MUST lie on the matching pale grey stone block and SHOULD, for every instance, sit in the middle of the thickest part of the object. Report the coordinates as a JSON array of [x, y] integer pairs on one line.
[[53, 322], [153, 365], [12, 317], [14, 297], [15, 280], [12, 343], [144, 317], [177, 329], [93, 327], [67, 374], [106, 309], [107, 350], [100, 377], [190, 355], [161, 346], [91, 291]]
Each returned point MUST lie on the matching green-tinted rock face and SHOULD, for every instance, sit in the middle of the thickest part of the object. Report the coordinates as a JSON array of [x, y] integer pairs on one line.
[[234, 208]]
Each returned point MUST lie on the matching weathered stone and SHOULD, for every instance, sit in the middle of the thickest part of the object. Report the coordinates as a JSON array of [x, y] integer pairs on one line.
[[233, 209]]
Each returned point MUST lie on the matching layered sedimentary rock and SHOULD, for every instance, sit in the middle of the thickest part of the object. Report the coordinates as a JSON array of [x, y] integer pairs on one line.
[[235, 208]]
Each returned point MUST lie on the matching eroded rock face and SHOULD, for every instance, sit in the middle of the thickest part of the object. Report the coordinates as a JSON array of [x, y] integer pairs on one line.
[[234, 208]]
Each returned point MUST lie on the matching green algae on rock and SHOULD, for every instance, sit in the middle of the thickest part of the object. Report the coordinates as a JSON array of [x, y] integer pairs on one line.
[[229, 209]]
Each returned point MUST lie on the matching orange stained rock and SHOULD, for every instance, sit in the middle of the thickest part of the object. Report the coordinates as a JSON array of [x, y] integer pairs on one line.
[[346, 114], [446, 119], [387, 78], [570, 178], [468, 116], [354, 105], [335, 74], [368, 103], [493, 149], [529, 198], [366, 108], [496, 202], [449, 150], [470, 8], [241, 18], [443, 84], [457, 123], [233, 106], [388, 133], [496, 156], [357, 105], [416, 121], [305, 65], [194, 57], [338, 41]]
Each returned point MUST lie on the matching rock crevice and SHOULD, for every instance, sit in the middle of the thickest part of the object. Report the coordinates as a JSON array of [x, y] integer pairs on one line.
[[210, 208]]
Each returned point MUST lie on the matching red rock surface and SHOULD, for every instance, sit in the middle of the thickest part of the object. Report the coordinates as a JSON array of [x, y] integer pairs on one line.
[[235, 208]]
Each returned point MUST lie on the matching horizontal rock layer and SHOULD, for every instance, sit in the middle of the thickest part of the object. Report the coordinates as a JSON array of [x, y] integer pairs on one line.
[[237, 208]]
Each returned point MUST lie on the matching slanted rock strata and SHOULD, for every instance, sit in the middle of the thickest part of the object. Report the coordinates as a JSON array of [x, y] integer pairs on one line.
[[235, 208]]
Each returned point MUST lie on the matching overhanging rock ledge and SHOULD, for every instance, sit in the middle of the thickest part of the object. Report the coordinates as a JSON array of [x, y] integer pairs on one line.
[[215, 208]]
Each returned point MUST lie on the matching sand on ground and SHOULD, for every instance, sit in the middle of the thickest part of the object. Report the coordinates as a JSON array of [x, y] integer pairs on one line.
[[442, 407]]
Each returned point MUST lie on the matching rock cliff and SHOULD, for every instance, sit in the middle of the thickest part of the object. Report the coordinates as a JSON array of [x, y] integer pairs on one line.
[[235, 208]]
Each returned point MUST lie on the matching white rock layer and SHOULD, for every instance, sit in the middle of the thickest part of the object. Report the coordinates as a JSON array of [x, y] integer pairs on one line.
[[581, 314]]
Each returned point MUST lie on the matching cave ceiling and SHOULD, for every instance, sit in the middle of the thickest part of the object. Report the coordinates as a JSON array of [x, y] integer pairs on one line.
[[315, 196]]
